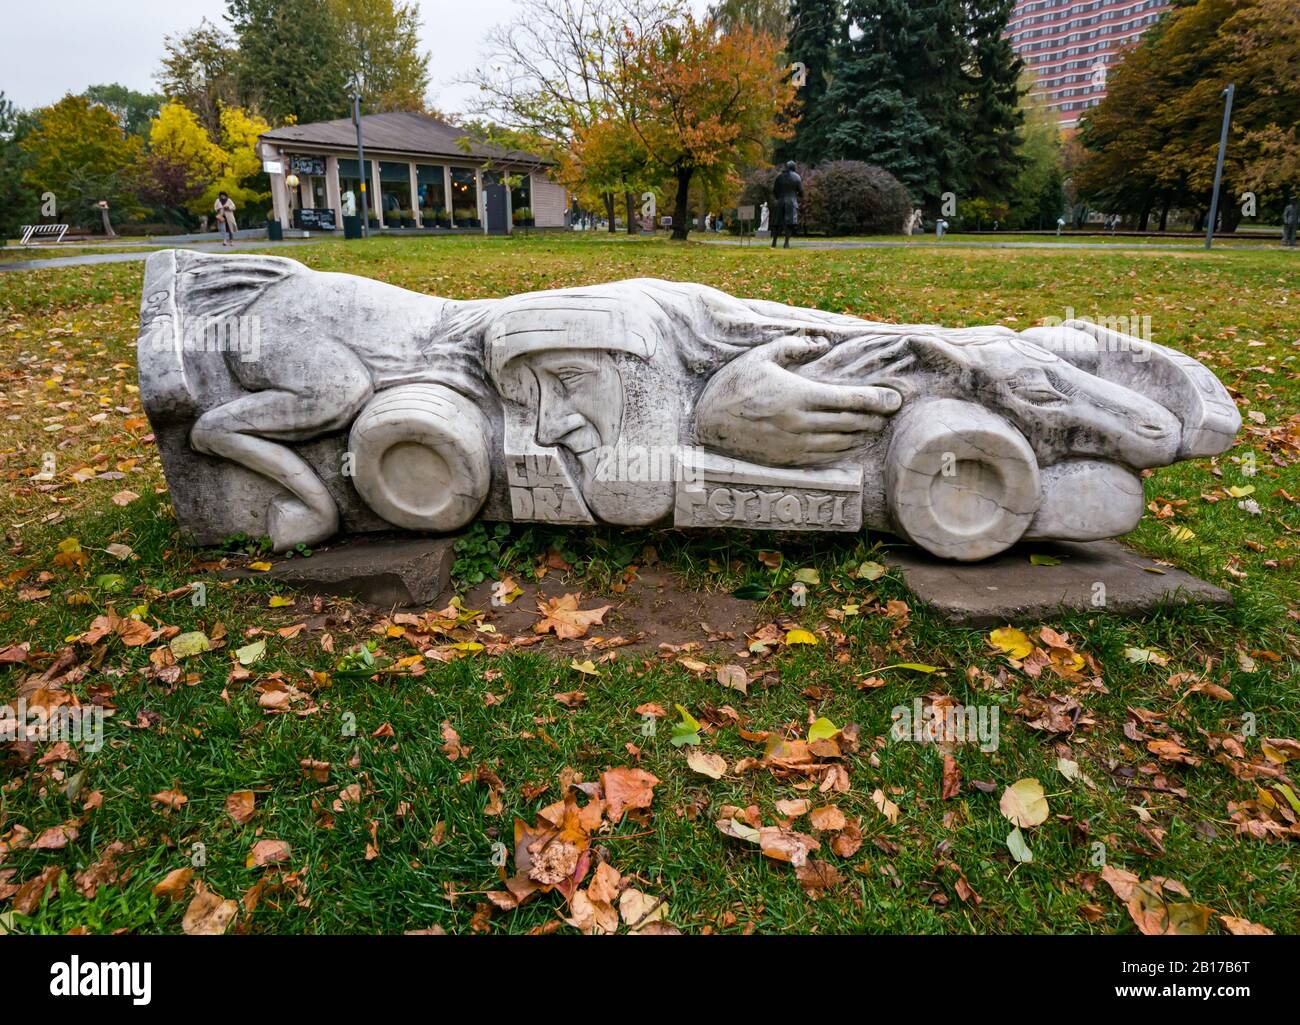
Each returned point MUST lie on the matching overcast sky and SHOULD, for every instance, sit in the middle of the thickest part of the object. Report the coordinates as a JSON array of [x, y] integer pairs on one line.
[[58, 46]]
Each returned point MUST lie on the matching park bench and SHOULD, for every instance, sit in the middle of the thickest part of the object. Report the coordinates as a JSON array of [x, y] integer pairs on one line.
[[43, 231]]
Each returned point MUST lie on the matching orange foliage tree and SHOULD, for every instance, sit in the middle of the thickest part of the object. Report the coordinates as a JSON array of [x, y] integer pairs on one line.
[[700, 104]]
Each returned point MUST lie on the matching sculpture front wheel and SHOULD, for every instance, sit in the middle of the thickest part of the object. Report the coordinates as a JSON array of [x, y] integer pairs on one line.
[[421, 458], [961, 482]]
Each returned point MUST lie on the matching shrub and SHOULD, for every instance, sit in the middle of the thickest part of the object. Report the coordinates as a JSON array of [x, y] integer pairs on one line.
[[849, 197]]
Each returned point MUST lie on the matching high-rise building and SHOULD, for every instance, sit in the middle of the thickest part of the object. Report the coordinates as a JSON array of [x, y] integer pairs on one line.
[[1071, 45]]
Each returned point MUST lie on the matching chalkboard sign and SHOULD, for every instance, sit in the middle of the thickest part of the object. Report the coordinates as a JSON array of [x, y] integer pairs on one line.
[[307, 165], [320, 219]]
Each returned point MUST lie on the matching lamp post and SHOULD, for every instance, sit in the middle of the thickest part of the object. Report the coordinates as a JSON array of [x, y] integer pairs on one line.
[[361, 162], [1218, 166]]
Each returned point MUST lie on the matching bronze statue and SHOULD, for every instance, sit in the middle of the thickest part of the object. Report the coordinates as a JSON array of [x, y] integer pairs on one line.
[[787, 190]]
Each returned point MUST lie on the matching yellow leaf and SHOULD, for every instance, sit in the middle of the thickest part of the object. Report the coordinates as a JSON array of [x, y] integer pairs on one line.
[[1011, 641], [587, 668], [1024, 803], [798, 636], [260, 567], [279, 602]]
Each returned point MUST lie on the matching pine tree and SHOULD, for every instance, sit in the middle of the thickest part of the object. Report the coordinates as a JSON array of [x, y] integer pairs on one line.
[[290, 61], [875, 110], [815, 26], [992, 105]]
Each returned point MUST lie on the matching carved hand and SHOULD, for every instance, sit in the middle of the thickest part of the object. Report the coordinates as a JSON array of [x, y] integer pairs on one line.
[[756, 408]]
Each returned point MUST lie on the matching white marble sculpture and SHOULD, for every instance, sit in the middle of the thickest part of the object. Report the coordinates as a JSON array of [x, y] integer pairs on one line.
[[298, 404]]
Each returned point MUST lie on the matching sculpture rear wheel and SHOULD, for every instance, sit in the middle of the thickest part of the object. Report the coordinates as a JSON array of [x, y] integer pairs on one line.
[[961, 482], [421, 458]]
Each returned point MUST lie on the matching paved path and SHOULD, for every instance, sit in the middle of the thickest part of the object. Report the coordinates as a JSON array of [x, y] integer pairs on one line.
[[805, 243], [97, 258]]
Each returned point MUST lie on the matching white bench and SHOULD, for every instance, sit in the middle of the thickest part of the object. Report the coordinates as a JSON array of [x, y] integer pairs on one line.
[[43, 231]]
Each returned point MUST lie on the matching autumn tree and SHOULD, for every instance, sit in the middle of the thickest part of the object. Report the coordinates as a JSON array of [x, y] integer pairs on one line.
[[703, 103], [182, 161], [379, 40], [200, 69], [290, 64], [1153, 140], [133, 110], [239, 173], [78, 151], [556, 70], [1264, 38]]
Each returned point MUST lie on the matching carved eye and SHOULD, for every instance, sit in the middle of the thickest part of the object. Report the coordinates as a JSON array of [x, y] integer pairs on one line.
[[1037, 387], [570, 376]]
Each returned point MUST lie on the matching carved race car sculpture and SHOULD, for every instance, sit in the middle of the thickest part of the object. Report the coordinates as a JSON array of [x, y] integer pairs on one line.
[[298, 404]]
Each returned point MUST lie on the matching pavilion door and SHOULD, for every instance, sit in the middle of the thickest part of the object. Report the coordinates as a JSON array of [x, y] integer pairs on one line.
[[494, 200]]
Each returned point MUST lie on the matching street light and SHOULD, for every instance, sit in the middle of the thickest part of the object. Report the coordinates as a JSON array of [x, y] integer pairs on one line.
[[361, 161], [1218, 167]]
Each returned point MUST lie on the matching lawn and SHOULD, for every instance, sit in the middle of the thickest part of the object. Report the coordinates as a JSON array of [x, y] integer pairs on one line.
[[322, 788]]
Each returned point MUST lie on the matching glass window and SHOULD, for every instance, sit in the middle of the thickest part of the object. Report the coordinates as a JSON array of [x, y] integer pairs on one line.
[[521, 199], [433, 195], [395, 187], [464, 197], [350, 181]]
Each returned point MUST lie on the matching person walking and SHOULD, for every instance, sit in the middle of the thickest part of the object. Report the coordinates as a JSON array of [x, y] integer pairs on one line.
[[1290, 218], [224, 208]]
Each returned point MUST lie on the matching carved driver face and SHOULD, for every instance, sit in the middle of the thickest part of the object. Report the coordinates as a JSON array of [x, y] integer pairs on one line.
[[579, 401], [593, 373]]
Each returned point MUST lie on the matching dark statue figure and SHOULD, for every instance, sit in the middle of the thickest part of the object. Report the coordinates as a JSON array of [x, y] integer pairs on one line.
[[1290, 217], [787, 190]]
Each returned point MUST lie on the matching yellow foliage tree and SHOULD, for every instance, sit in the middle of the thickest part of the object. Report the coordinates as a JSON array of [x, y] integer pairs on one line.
[[241, 167], [182, 160]]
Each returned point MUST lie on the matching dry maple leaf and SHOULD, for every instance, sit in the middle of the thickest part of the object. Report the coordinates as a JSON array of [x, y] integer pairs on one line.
[[563, 616], [55, 838], [627, 788], [828, 819], [170, 798], [816, 877], [209, 914], [174, 884], [786, 844], [267, 852], [240, 805]]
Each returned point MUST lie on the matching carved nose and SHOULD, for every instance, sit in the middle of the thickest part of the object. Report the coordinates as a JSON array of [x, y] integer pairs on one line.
[[552, 427]]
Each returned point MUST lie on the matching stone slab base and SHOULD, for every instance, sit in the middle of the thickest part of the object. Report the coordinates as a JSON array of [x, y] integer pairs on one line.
[[383, 572], [1008, 588]]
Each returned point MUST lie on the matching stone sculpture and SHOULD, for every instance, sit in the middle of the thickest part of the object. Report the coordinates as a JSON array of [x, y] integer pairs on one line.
[[297, 404]]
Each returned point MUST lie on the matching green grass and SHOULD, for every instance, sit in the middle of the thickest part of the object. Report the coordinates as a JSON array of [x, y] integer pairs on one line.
[[68, 335]]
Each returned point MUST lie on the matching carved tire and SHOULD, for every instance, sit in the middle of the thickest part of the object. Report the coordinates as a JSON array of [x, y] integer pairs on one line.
[[960, 481], [420, 457]]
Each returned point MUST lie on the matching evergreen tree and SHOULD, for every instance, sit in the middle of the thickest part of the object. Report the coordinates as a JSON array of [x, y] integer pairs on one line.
[[815, 25], [381, 48], [18, 204], [992, 106], [874, 108], [928, 90], [290, 61]]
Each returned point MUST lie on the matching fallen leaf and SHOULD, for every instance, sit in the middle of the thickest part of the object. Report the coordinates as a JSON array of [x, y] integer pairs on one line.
[[1024, 804]]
